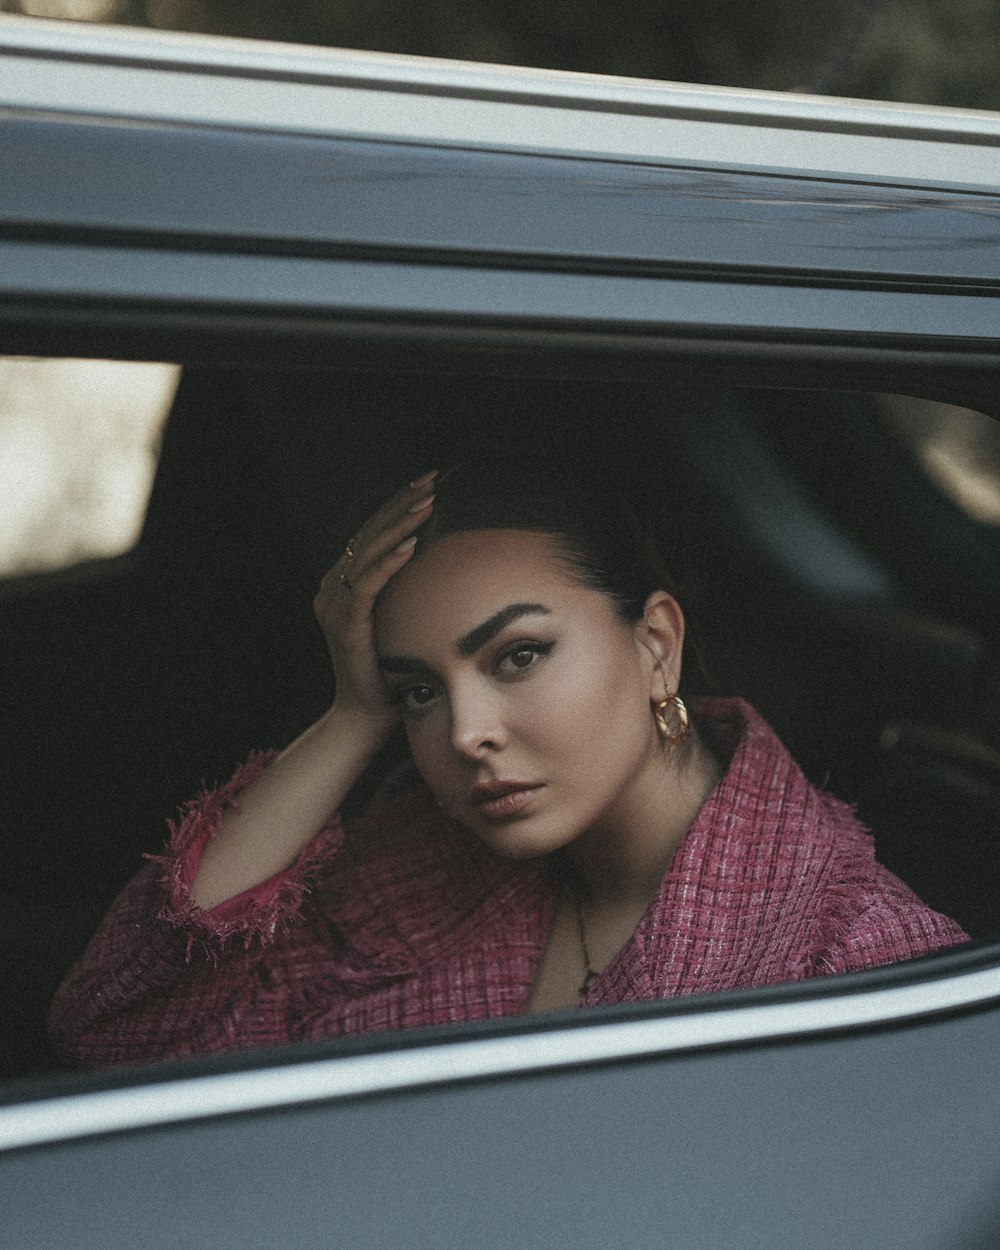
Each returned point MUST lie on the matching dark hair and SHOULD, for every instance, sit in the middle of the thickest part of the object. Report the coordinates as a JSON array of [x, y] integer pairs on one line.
[[603, 539]]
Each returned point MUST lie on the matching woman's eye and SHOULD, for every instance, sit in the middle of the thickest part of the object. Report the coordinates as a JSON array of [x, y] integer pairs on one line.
[[419, 696], [413, 698], [524, 656]]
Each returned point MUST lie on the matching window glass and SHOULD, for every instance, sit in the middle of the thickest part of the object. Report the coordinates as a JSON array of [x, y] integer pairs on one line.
[[958, 449], [78, 448]]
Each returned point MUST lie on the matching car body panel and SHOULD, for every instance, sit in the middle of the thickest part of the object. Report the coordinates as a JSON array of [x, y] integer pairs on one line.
[[875, 1137], [226, 189], [190, 80], [469, 295]]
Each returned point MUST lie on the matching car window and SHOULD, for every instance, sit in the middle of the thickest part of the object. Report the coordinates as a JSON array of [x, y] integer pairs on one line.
[[135, 693], [79, 442]]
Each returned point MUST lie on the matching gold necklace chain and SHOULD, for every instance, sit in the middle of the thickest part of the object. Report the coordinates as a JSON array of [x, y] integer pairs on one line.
[[591, 974]]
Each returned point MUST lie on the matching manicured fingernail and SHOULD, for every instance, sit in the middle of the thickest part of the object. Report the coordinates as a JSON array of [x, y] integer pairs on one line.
[[425, 480], [421, 504], [406, 544]]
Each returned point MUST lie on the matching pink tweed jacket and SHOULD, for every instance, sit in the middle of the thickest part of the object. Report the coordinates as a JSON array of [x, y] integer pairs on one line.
[[404, 919]]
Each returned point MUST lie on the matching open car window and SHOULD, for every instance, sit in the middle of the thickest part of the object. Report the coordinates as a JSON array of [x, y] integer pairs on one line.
[[792, 519]]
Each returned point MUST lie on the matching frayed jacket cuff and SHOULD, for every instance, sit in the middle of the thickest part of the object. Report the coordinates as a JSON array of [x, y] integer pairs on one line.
[[256, 916]]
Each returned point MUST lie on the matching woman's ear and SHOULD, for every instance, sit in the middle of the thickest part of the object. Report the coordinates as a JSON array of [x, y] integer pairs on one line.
[[660, 634]]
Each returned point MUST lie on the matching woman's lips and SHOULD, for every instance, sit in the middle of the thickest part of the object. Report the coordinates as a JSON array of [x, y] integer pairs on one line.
[[501, 802]]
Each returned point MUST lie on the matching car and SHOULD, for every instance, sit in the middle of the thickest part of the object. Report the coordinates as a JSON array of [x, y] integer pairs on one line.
[[767, 314]]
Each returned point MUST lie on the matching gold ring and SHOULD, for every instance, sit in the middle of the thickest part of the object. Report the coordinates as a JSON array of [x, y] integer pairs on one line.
[[347, 557]]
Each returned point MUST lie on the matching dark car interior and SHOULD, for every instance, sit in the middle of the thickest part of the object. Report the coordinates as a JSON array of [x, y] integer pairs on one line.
[[827, 578]]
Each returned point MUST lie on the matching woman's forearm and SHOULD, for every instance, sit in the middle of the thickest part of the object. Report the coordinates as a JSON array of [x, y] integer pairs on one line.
[[288, 804], [291, 801]]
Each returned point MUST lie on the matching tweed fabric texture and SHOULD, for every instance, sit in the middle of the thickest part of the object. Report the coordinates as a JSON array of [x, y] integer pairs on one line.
[[404, 919]]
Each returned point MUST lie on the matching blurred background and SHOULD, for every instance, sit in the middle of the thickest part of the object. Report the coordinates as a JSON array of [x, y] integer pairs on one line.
[[920, 51]]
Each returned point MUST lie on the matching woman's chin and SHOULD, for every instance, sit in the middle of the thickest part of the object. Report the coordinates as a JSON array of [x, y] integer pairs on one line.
[[518, 840]]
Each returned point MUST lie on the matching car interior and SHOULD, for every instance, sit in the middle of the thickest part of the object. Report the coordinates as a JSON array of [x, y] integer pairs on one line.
[[828, 577]]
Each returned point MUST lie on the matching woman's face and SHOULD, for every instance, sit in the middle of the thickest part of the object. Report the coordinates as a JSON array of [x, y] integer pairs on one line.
[[525, 697]]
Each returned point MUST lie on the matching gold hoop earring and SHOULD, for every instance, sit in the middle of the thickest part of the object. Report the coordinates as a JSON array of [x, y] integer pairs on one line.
[[677, 734]]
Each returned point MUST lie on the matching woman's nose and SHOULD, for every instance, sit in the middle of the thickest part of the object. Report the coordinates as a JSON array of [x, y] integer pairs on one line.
[[475, 724]]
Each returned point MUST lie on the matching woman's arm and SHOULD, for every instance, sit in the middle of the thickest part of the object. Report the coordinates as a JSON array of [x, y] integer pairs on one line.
[[161, 978], [180, 963], [288, 804], [291, 801]]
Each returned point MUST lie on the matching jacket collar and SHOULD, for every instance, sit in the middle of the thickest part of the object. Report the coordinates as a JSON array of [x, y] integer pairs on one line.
[[735, 904]]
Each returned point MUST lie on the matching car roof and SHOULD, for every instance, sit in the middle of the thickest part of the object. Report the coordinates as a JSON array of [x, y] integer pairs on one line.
[[188, 79]]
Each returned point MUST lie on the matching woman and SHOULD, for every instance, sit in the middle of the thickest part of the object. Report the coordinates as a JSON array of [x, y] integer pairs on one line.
[[564, 834]]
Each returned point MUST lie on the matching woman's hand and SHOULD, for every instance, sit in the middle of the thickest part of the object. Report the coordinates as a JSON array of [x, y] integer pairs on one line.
[[346, 599]]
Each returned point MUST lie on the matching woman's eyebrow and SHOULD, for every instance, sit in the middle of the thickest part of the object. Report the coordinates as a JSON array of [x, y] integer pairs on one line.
[[470, 643]]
